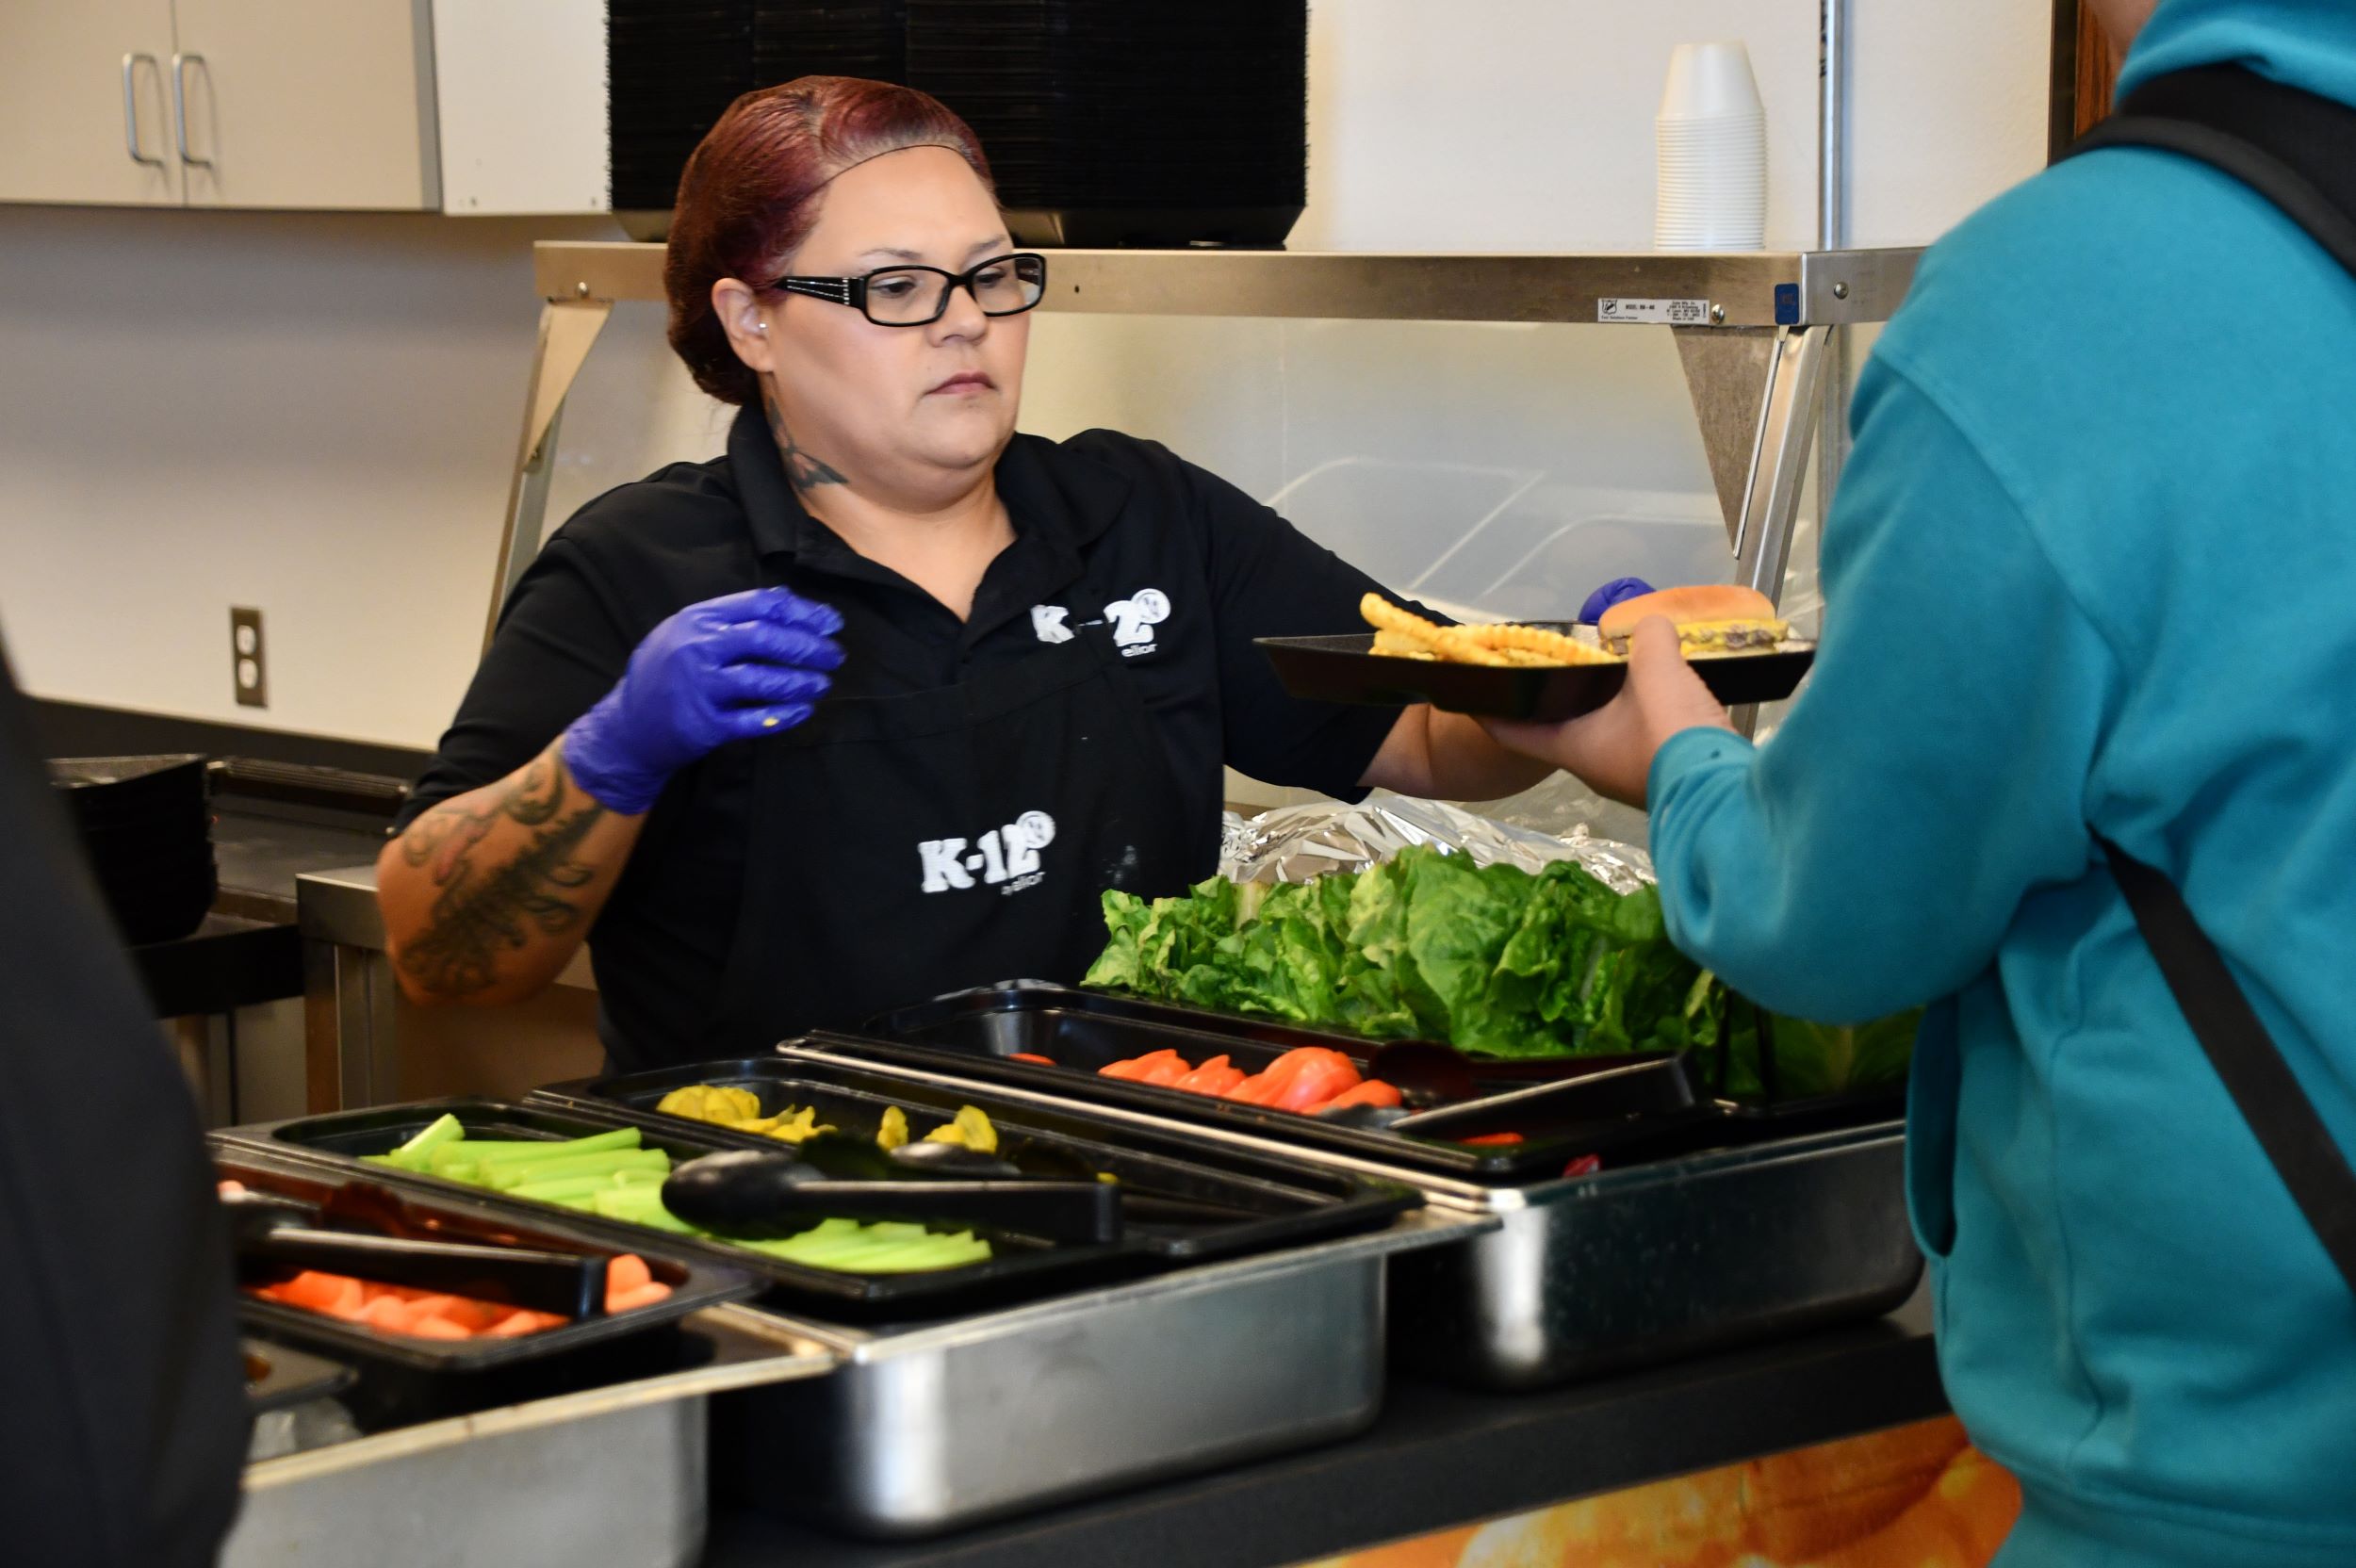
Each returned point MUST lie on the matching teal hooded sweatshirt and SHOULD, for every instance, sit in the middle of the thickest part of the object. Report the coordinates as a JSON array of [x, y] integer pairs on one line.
[[2092, 569]]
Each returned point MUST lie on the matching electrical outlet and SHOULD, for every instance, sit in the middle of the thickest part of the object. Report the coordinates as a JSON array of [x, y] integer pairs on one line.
[[247, 670]]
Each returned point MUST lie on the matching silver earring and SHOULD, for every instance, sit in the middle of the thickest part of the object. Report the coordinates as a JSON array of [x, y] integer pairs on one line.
[[760, 326]]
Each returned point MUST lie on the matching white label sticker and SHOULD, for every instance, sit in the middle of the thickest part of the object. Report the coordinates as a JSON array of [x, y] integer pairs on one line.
[[1676, 313]]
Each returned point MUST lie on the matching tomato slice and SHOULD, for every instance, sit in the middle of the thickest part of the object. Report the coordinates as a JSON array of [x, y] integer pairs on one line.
[[1165, 1073], [1215, 1076], [1140, 1067], [1027, 1057], [1316, 1082], [1374, 1092], [1257, 1089]]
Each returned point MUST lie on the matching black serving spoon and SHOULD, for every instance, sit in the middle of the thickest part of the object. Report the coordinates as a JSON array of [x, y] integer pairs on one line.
[[766, 1195]]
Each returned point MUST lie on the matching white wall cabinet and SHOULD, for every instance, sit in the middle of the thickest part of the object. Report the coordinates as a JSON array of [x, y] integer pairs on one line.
[[305, 104], [308, 104], [86, 102], [520, 85]]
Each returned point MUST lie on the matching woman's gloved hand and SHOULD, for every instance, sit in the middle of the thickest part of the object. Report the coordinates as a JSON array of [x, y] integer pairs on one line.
[[1611, 594], [728, 669]]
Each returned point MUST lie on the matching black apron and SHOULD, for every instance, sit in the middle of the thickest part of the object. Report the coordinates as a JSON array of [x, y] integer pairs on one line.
[[904, 846]]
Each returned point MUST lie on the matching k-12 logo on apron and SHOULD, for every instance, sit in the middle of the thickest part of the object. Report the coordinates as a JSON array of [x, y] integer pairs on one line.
[[1003, 857]]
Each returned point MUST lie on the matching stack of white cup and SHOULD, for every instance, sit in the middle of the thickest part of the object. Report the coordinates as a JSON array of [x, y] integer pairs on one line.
[[1711, 135]]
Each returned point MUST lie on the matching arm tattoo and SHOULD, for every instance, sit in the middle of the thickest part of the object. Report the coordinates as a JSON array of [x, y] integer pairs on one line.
[[802, 470], [484, 910]]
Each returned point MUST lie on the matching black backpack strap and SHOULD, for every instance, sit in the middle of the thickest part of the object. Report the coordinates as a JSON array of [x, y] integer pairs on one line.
[[2299, 151], [2245, 1057], [2294, 148]]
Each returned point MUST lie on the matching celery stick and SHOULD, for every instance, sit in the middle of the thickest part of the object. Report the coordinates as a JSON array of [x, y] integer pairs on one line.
[[885, 1249], [557, 1191], [443, 1129], [926, 1260], [385, 1160], [500, 1151], [640, 1206], [604, 1163]]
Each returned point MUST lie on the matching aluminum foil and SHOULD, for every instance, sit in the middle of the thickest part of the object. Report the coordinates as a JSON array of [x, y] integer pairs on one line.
[[1294, 843]]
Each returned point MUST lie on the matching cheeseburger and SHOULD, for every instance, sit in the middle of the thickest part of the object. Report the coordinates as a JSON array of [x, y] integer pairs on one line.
[[1710, 618]]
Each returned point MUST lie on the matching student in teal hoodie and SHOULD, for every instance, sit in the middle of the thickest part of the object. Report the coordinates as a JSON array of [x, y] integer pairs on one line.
[[2092, 569]]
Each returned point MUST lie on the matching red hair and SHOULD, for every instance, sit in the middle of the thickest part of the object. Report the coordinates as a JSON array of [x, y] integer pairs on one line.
[[749, 196]]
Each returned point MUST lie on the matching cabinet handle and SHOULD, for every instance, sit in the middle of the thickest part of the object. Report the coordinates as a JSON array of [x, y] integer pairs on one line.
[[180, 107], [131, 111]]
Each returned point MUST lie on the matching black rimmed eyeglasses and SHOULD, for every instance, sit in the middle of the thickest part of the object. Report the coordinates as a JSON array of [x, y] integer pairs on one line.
[[919, 296]]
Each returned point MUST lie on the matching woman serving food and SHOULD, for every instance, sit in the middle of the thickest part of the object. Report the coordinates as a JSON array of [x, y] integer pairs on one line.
[[877, 704]]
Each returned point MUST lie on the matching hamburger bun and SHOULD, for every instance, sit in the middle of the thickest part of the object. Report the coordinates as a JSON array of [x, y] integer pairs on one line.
[[1717, 617]]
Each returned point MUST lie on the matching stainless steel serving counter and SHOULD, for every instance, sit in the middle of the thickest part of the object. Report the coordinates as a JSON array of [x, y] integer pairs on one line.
[[1436, 1459]]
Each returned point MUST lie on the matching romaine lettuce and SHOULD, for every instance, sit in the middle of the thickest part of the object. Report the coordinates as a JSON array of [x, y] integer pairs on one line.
[[1490, 959]]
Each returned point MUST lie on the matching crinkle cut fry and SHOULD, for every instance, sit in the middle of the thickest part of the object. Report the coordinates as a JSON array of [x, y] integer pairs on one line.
[[1551, 647], [1403, 634], [1398, 645], [1382, 614]]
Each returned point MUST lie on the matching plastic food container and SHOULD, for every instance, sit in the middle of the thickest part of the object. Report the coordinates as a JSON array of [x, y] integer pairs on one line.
[[975, 1033], [403, 1380], [1268, 1200]]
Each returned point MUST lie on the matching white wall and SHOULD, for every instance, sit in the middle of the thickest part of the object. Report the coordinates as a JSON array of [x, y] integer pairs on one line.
[[311, 415], [316, 415]]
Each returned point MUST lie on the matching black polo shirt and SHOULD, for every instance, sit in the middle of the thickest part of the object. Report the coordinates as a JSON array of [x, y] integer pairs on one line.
[[1104, 523]]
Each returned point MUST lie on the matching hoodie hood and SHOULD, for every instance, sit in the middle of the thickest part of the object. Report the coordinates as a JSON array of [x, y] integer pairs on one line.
[[2310, 45]]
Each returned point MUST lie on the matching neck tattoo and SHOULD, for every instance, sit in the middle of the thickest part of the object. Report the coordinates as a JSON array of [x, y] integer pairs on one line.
[[802, 470]]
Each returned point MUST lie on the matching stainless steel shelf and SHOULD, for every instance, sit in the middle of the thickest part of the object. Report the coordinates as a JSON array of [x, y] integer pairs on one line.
[[1733, 289]]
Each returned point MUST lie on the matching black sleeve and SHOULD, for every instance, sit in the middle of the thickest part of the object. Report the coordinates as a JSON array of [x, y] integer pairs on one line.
[[123, 1420], [1269, 579], [562, 644]]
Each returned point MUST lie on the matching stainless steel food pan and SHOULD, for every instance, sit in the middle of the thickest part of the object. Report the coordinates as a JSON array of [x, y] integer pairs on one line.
[[1595, 1274], [612, 1478], [927, 1429], [1591, 1274]]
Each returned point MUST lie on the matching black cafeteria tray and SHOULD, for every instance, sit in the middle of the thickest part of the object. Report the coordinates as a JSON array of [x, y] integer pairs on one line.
[[1347, 669], [1021, 1269], [1294, 1200], [403, 1380], [973, 1033]]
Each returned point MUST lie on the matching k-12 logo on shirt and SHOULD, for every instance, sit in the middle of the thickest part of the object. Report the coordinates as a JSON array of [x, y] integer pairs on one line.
[[1133, 621], [1134, 618], [1003, 857]]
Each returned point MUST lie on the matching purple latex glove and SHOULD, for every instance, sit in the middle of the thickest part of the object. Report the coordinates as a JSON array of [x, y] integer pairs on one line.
[[728, 669], [1611, 594]]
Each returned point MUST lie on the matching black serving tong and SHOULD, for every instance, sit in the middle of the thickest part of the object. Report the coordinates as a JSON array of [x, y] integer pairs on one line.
[[856, 1159], [1615, 1095], [277, 1233], [763, 1195]]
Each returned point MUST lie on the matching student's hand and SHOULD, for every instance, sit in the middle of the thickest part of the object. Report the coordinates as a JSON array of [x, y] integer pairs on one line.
[[728, 669], [1611, 748]]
